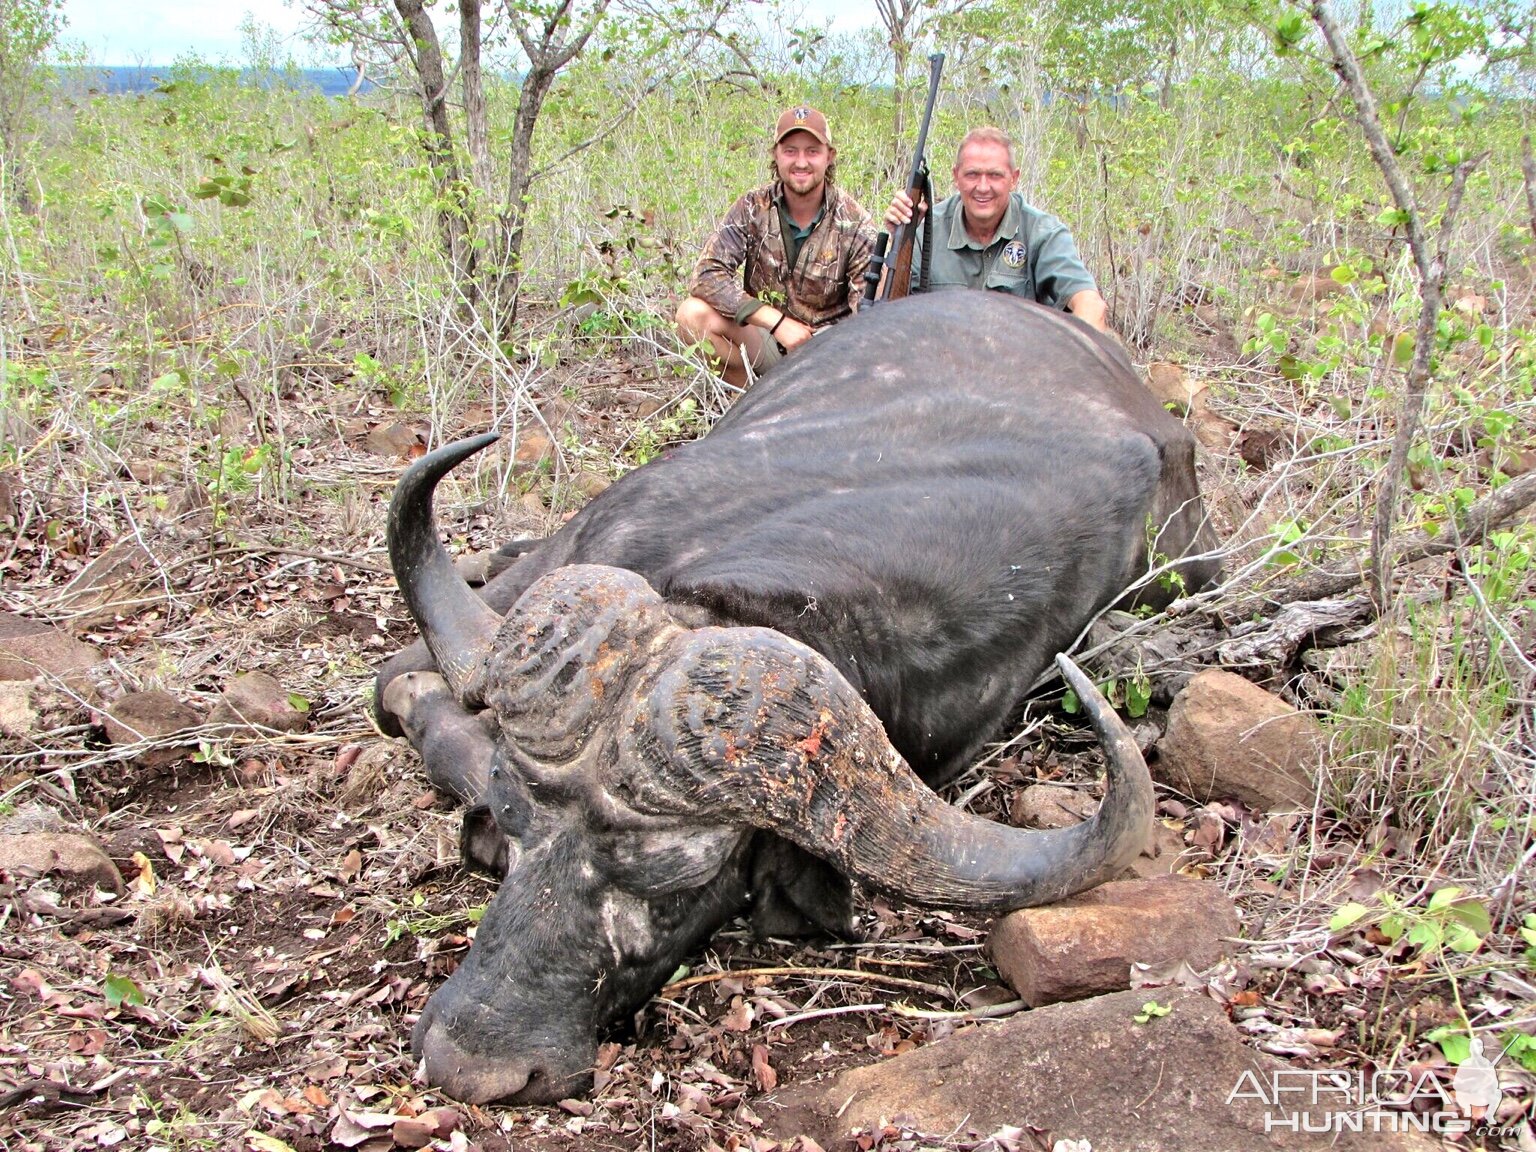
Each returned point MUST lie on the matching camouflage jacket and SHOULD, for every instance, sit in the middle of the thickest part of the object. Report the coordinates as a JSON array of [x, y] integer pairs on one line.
[[827, 280]]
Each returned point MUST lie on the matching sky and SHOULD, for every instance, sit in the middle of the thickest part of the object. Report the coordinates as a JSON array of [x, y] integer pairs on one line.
[[162, 31]]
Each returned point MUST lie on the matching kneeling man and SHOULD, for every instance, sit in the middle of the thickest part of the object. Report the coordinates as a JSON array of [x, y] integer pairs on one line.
[[804, 244]]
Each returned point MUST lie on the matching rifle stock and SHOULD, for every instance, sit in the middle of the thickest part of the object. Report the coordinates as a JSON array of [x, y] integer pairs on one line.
[[898, 279]]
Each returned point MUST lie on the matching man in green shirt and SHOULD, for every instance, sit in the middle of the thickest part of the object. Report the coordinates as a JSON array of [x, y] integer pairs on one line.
[[787, 260], [986, 236]]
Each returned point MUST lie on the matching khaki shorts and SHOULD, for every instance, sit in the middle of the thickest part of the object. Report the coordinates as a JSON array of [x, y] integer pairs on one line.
[[769, 355]]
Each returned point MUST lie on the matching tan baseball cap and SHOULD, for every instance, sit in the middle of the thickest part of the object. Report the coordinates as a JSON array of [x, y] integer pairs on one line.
[[803, 118]]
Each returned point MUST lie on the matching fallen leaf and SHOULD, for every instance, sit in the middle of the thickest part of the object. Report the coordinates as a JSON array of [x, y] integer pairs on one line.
[[31, 980], [144, 882], [739, 1018], [332, 1069], [767, 1078], [354, 1128], [351, 865], [220, 852], [1209, 833], [412, 1133], [243, 816]]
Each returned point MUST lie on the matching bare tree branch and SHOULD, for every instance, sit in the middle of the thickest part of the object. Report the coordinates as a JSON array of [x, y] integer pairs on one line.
[[1431, 269]]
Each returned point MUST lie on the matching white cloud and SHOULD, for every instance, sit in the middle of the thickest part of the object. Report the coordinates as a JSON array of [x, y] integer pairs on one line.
[[161, 31]]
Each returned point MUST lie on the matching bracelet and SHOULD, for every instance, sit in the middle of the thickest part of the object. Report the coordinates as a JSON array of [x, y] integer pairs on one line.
[[782, 317]]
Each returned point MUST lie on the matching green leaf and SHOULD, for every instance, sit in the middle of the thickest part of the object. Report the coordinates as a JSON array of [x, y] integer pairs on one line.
[[298, 703], [1444, 898], [120, 990], [1138, 695], [1454, 1043], [1344, 274], [1521, 1048], [1070, 704], [1151, 1010], [1348, 914], [1472, 915], [1290, 30]]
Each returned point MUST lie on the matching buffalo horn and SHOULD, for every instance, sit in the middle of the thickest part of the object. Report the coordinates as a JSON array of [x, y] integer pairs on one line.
[[457, 625], [751, 724]]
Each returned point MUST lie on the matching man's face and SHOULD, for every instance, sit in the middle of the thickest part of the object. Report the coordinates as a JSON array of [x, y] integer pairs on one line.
[[984, 181], [802, 162]]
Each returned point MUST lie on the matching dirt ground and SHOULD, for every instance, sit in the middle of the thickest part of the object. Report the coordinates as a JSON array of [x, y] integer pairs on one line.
[[291, 901]]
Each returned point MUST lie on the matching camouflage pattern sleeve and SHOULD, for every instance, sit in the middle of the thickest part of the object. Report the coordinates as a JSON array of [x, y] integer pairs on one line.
[[717, 275], [859, 252]]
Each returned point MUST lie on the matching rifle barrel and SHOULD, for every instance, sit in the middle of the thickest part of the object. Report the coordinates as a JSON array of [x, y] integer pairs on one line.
[[902, 237]]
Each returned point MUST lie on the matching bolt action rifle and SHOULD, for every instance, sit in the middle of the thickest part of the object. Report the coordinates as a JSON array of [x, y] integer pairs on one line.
[[898, 264]]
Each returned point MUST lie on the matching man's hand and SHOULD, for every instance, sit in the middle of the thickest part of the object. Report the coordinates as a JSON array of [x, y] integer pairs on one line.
[[791, 333], [1090, 306], [900, 211]]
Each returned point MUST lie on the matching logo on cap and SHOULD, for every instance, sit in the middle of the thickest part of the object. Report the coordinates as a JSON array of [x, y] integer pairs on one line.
[[803, 118]]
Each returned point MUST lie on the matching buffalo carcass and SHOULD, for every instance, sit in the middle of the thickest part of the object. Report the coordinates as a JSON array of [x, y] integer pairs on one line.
[[708, 686]]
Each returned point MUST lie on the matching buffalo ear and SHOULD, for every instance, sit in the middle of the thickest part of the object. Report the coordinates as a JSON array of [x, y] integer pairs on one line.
[[483, 846], [797, 894]]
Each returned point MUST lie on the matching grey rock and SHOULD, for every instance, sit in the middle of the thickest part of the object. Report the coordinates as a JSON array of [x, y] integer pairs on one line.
[[1083, 1071]]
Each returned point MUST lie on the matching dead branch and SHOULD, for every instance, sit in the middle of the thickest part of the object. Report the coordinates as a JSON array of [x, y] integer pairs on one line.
[[1471, 528], [845, 974]]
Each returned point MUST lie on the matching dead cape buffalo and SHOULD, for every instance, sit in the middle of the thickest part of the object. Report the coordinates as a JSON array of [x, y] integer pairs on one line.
[[701, 696]]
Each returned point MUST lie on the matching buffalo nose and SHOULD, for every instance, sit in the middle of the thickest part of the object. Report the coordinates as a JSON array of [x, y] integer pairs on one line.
[[475, 1078]]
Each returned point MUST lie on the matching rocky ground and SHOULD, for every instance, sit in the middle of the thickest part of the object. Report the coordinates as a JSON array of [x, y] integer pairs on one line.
[[226, 897]]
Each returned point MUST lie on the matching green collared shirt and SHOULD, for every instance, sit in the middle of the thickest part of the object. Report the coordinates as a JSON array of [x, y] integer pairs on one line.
[[794, 235], [1032, 255]]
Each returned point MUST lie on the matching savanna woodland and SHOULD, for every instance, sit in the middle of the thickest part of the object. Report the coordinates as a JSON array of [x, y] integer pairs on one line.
[[232, 309]]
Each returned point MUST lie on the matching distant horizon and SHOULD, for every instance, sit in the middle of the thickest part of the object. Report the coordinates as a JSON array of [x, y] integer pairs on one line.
[[168, 31]]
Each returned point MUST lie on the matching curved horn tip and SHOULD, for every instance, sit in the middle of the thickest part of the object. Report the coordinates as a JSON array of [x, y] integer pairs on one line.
[[446, 456], [1076, 679]]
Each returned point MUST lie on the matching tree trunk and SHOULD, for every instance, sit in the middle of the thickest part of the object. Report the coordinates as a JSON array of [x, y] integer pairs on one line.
[[453, 210], [476, 134], [509, 248], [1528, 169]]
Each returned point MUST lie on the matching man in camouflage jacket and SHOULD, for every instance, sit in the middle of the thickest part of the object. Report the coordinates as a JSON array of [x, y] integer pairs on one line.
[[804, 244]]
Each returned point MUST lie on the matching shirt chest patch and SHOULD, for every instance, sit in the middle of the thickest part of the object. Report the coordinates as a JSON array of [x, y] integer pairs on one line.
[[1014, 254]]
